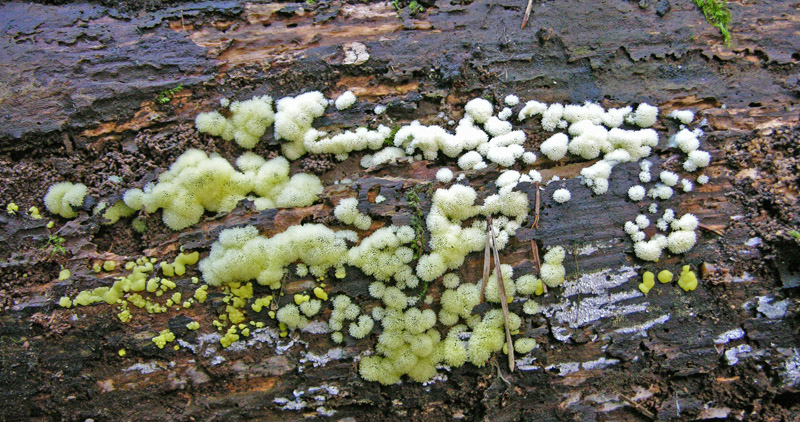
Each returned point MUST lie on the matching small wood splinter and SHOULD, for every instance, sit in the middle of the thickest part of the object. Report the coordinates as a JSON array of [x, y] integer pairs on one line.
[[535, 224], [491, 247], [527, 14], [537, 261]]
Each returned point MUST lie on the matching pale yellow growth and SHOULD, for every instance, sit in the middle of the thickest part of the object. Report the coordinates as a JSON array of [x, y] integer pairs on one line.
[[62, 197]]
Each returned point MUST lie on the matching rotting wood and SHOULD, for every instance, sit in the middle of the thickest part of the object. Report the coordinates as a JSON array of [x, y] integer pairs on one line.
[[77, 375]]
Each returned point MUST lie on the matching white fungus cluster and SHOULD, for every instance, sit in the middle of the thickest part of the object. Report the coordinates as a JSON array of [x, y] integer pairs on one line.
[[384, 255], [636, 193], [561, 195], [241, 254], [409, 343], [450, 242], [347, 213], [683, 116], [344, 143], [595, 132], [62, 197], [345, 101], [386, 155], [197, 182], [248, 122], [680, 240], [511, 100], [552, 270], [644, 116], [294, 118], [444, 175], [689, 143]]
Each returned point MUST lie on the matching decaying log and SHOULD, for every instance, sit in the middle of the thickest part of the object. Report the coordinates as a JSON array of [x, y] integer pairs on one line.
[[79, 102]]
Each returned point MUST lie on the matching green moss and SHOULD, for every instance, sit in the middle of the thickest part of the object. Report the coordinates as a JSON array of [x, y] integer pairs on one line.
[[57, 242], [165, 96], [138, 225], [718, 15]]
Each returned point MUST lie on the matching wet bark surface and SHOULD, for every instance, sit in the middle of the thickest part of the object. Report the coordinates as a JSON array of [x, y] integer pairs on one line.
[[79, 103]]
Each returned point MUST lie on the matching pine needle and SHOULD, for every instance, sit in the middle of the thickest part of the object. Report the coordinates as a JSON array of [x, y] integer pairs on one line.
[[503, 300], [527, 14]]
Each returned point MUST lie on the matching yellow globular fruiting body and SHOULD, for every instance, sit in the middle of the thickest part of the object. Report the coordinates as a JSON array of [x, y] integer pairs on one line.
[[665, 276], [34, 213], [260, 303], [235, 316], [229, 337], [688, 279], [64, 274], [201, 293], [125, 316], [320, 294], [167, 269], [161, 340], [648, 281], [299, 299]]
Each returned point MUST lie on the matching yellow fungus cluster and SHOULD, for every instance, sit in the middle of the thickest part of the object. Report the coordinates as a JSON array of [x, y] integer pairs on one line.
[[687, 280], [648, 281], [129, 289], [34, 213], [62, 197], [161, 340], [197, 182]]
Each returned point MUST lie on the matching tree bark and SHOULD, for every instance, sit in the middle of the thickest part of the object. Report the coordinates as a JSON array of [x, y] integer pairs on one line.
[[79, 103]]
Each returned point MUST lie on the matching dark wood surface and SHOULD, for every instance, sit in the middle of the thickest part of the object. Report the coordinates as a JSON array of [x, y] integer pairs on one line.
[[77, 102]]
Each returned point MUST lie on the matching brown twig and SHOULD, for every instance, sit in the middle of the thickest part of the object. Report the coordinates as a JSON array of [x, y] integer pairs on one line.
[[535, 224], [527, 14], [537, 261], [711, 229], [500, 373], [486, 256], [503, 302], [638, 407]]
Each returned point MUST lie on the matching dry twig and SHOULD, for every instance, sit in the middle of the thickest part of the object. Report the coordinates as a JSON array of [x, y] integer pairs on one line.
[[491, 247], [711, 229], [527, 14], [535, 224], [537, 261], [648, 414], [503, 301], [486, 257]]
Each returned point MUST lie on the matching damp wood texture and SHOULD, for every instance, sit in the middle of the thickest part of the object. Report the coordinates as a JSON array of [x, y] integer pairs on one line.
[[107, 96]]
